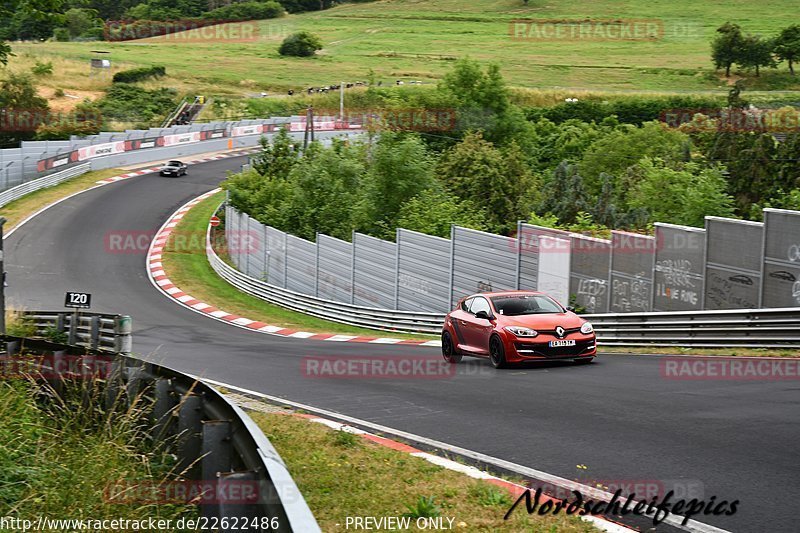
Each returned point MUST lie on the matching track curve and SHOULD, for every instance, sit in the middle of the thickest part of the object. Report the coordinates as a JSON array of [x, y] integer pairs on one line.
[[619, 416]]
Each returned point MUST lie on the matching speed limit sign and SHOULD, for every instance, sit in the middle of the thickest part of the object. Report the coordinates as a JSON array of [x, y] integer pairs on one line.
[[82, 300]]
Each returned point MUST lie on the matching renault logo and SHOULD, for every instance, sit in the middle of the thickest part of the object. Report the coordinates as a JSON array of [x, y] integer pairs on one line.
[[559, 332]]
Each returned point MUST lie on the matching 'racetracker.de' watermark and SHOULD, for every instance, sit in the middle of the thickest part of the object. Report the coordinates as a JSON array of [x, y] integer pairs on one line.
[[729, 369], [374, 367], [586, 30]]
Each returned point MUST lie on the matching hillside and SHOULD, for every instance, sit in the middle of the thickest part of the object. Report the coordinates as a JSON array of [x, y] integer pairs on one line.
[[418, 39]]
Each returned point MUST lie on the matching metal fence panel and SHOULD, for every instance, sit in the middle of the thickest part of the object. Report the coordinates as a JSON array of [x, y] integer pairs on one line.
[[374, 271], [733, 263], [679, 269], [423, 272], [553, 267], [529, 238], [275, 256], [588, 273], [252, 244], [334, 269], [301, 265], [482, 262], [781, 285], [631, 280]]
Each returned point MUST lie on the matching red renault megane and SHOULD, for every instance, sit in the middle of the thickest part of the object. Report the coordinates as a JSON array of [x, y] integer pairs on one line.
[[514, 327]]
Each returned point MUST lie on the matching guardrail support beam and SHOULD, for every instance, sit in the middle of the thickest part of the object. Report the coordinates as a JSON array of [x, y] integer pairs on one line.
[[217, 453], [190, 435]]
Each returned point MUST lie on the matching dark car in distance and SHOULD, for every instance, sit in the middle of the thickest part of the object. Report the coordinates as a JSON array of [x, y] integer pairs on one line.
[[515, 327], [174, 168]]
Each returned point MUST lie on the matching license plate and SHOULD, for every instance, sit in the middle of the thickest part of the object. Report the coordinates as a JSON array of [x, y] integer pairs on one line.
[[556, 344]]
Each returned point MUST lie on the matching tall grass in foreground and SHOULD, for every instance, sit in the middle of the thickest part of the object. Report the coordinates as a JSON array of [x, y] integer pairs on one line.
[[60, 452]]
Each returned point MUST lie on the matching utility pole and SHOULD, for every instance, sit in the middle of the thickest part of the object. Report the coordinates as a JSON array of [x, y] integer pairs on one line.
[[2, 281]]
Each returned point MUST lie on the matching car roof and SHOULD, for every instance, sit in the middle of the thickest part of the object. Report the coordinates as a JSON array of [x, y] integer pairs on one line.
[[505, 293]]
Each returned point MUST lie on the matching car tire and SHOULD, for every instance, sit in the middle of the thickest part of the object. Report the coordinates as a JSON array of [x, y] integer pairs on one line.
[[583, 360], [497, 352], [449, 351]]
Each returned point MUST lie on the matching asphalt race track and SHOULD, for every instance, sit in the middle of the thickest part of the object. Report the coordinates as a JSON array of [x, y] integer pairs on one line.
[[619, 417]]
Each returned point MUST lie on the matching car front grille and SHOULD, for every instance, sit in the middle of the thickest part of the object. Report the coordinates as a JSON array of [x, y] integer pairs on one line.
[[541, 349]]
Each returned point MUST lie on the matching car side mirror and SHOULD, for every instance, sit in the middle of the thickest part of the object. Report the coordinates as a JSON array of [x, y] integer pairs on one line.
[[484, 315], [571, 308]]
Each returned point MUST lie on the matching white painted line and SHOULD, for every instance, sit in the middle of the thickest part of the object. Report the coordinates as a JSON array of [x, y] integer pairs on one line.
[[449, 464], [385, 340], [302, 334], [674, 520], [337, 426], [431, 343], [341, 338]]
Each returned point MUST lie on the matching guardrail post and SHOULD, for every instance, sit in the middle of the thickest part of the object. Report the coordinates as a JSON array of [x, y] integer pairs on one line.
[[123, 342], [60, 322], [136, 384], [56, 379], [95, 332], [12, 347], [73, 328], [190, 435], [227, 484], [217, 453], [163, 409]]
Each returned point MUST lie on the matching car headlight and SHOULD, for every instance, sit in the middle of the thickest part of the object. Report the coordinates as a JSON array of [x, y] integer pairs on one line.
[[521, 332], [587, 328]]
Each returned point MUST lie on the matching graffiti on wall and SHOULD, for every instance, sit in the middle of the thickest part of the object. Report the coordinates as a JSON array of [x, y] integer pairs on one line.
[[629, 296]]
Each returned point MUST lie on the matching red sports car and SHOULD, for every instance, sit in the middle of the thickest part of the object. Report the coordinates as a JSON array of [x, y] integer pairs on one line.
[[514, 327]]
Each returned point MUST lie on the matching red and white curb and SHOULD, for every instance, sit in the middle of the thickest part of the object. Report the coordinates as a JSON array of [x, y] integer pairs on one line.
[[150, 170], [160, 279]]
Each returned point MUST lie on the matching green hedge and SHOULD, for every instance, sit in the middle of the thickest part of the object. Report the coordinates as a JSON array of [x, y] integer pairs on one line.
[[139, 74]]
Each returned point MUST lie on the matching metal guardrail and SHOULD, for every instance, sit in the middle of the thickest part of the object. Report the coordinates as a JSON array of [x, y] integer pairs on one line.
[[110, 333], [747, 328], [739, 328], [28, 187], [217, 444]]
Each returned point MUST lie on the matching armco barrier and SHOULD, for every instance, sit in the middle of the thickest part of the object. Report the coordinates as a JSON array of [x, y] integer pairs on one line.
[[217, 444], [110, 333], [19, 191], [748, 328]]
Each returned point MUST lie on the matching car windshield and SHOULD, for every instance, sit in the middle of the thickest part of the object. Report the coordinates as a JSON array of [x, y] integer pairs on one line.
[[174, 164], [525, 304]]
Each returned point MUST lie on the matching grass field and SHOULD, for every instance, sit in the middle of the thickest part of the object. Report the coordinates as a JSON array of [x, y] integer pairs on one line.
[[341, 475], [419, 39]]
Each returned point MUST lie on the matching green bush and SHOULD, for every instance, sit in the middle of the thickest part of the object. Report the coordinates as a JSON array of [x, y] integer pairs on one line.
[[42, 69], [61, 35], [129, 103], [139, 74], [300, 44]]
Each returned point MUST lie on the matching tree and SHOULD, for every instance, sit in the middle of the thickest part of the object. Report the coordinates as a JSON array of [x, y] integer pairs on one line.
[[787, 45], [685, 196], [433, 211], [400, 168], [79, 21], [300, 44], [756, 52], [278, 158], [619, 149], [22, 110], [726, 46], [564, 195], [498, 181]]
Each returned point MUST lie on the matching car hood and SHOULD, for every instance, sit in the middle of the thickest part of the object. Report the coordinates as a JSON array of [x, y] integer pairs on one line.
[[543, 321]]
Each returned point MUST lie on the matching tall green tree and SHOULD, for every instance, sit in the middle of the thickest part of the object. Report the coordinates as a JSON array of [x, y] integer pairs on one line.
[[787, 45], [400, 168], [756, 52], [277, 158], [565, 195], [726, 48], [498, 180]]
